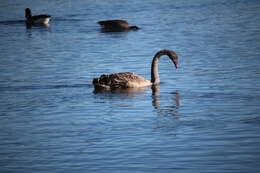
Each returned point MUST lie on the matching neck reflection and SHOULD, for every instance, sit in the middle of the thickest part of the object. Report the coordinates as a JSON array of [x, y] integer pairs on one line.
[[167, 105]]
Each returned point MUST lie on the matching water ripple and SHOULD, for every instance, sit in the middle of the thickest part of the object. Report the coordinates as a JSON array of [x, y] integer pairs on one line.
[[40, 87]]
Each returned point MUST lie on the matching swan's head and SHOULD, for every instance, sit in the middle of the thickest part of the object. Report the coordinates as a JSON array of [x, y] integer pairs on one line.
[[174, 57], [175, 61], [28, 13]]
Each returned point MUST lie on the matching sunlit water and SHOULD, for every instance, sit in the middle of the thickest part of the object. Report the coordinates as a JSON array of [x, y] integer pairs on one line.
[[205, 117]]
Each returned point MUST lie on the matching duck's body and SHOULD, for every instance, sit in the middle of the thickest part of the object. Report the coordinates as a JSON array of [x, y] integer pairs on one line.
[[130, 80], [116, 26], [42, 19]]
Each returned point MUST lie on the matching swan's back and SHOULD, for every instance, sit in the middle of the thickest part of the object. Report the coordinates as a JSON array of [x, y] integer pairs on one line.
[[120, 80]]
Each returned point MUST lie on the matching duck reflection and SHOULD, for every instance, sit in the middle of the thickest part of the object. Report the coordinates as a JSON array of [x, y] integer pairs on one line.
[[29, 26], [170, 106]]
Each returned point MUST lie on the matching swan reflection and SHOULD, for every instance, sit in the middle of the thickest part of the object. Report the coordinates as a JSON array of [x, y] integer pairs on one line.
[[165, 106], [129, 92]]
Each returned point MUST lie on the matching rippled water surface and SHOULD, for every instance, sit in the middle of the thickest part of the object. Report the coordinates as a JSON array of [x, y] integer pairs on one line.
[[204, 117]]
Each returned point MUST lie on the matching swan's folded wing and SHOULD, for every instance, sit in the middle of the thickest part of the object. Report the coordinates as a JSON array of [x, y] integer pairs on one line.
[[128, 80], [120, 80]]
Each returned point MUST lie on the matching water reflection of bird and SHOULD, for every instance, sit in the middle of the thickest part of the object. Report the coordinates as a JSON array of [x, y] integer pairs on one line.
[[128, 91], [164, 109], [131, 80], [116, 26], [42, 19]]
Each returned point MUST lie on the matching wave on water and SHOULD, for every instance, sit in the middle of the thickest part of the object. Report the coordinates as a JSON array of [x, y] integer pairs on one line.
[[9, 22], [40, 87]]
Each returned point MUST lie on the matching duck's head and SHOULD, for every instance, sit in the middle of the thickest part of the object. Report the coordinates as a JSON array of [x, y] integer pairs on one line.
[[28, 13], [134, 28]]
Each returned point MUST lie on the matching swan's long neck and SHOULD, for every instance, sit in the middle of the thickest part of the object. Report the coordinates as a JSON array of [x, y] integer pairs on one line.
[[155, 79]]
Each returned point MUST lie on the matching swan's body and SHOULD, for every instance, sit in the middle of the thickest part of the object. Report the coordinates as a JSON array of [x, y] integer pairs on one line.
[[42, 19], [130, 80], [116, 26], [120, 80]]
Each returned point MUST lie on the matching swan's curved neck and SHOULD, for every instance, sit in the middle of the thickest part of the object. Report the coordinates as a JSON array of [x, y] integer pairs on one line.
[[155, 79]]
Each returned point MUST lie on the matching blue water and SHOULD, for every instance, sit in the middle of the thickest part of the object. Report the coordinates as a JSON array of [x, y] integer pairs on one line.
[[205, 117]]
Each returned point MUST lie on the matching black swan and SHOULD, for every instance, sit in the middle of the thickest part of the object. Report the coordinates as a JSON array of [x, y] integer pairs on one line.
[[130, 80]]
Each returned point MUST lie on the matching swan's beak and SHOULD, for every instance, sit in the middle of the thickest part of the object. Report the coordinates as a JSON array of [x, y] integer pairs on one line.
[[176, 64], [174, 59]]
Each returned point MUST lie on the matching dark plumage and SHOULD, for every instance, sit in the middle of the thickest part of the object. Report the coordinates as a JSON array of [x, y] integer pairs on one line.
[[120, 80], [42, 19], [116, 26], [131, 80]]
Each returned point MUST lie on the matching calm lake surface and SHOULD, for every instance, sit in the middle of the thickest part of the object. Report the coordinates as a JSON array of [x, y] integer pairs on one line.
[[205, 117]]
